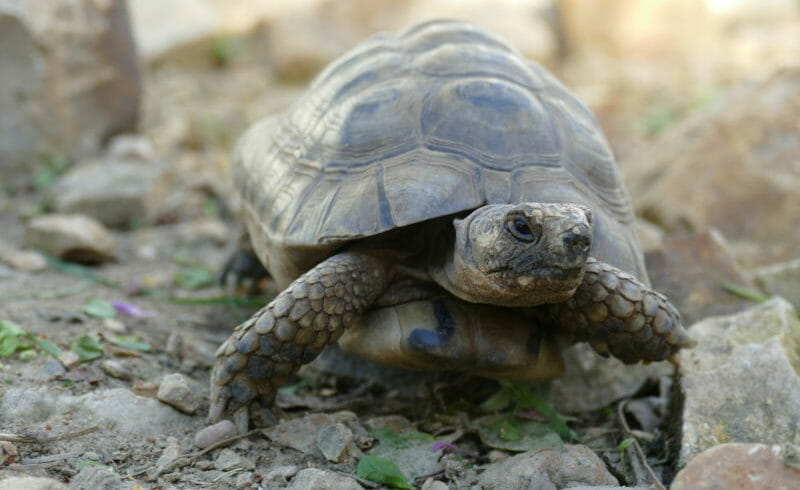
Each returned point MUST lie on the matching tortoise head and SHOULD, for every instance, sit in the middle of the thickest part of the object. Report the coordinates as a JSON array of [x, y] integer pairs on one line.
[[518, 254]]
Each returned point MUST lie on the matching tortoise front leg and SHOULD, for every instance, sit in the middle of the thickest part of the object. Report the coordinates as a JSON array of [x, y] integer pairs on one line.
[[618, 314], [291, 330]]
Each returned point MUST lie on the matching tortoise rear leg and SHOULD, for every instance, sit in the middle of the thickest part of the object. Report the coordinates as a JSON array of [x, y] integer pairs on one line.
[[618, 314], [291, 330]]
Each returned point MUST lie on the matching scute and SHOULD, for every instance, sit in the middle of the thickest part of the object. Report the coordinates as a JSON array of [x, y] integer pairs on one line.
[[438, 120]]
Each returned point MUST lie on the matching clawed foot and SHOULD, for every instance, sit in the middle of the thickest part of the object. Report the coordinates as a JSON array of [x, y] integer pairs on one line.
[[619, 315]]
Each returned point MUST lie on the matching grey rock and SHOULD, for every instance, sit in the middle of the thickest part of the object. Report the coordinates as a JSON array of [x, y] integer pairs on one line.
[[224, 429], [431, 484], [130, 415], [114, 192], [781, 280], [71, 237], [181, 392], [100, 478], [228, 459], [591, 382], [23, 260], [301, 433], [337, 443], [562, 467], [315, 479], [280, 474], [70, 79], [116, 369], [31, 483], [740, 466], [51, 370], [168, 455], [741, 383]]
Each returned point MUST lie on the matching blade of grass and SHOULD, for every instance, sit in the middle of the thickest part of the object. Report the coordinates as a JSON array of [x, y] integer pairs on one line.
[[78, 270], [744, 292]]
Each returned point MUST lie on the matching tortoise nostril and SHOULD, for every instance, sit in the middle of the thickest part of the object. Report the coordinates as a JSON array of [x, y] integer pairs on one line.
[[578, 244]]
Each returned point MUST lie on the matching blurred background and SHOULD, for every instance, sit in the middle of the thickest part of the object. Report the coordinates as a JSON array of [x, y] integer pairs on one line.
[[698, 98]]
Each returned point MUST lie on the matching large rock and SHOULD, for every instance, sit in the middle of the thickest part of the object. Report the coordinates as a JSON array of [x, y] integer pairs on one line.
[[562, 467], [691, 269], [70, 78], [738, 466], [741, 382], [734, 167]]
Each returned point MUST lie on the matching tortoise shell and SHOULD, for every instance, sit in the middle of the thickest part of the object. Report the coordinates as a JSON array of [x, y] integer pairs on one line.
[[439, 120]]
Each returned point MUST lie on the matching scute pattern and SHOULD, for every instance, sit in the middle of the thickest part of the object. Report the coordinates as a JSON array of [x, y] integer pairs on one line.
[[443, 102]]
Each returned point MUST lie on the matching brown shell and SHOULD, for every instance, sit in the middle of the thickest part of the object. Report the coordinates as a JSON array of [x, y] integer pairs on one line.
[[438, 120]]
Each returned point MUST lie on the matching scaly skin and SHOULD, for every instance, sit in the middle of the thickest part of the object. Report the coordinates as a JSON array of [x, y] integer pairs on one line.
[[292, 330], [618, 315]]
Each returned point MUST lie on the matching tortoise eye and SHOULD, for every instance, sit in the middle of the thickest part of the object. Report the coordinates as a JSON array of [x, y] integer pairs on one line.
[[521, 230]]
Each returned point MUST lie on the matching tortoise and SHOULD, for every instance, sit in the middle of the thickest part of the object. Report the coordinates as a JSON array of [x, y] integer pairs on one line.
[[447, 203]]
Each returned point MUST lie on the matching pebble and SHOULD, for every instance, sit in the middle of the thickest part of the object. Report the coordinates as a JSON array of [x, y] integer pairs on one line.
[[69, 359], [8, 453], [95, 477], [213, 434], [561, 467], [281, 474], [23, 260], [337, 443], [169, 454], [51, 369], [71, 237], [116, 369], [180, 391], [131, 146], [115, 325], [316, 479], [228, 459], [431, 484], [739, 466], [31, 483]]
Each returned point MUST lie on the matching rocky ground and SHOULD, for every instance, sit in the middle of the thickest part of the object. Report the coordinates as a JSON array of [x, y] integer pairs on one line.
[[110, 312]]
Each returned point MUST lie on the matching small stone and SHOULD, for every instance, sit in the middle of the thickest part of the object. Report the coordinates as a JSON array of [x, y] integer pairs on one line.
[[144, 388], [69, 359], [179, 391], [336, 443], [24, 260], [115, 325], [170, 454], [243, 480], [565, 466], [31, 483], [215, 433], [115, 192], [280, 474], [71, 237], [229, 459], [8, 453], [116, 369], [431, 484], [52, 369], [738, 466], [133, 146], [315, 479]]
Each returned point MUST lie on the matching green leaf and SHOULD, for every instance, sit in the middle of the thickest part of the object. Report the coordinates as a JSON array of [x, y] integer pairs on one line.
[[192, 278], [87, 348], [526, 398], [10, 328], [99, 308], [390, 439], [383, 471], [498, 401], [511, 433], [626, 443], [8, 345], [45, 345], [130, 342], [744, 292]]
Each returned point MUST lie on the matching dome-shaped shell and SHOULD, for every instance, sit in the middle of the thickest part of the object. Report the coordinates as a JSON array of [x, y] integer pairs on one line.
[[439, 120]]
